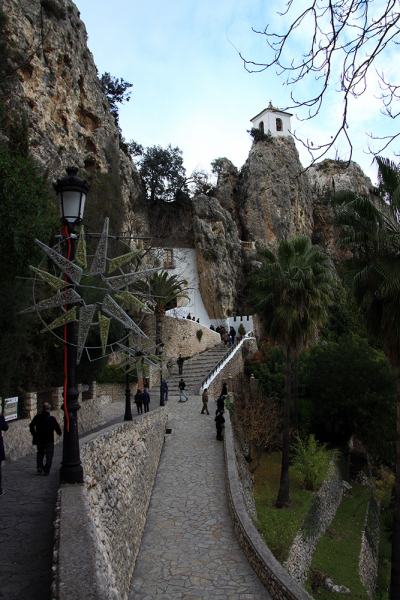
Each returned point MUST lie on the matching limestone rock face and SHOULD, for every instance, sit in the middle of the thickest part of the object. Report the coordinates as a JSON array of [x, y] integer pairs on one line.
[[331, 176], [227, 187], [219, 257], [326, 179], [58, 89], [275, 200]]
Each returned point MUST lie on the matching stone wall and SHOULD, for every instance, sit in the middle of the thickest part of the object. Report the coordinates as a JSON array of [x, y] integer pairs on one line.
[[179, 336], [234, 368], [277, 581], [369, 555], [18, 440], [102, 521], [320, 515]]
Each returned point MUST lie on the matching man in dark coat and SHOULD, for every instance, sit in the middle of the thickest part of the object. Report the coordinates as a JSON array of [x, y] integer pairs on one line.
[[42, 428], [146, 400], [164, 387], [182, 392], [3, 427], [180, 363], [139, 401], [219, 423]]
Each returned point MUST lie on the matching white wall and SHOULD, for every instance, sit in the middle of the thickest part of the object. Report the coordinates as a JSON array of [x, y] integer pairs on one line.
[[185, 260], [269, 118]]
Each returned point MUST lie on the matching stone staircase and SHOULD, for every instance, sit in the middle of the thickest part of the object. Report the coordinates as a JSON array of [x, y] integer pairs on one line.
[[195, 370]]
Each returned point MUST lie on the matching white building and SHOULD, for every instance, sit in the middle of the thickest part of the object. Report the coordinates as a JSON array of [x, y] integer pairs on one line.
[[272, 120]]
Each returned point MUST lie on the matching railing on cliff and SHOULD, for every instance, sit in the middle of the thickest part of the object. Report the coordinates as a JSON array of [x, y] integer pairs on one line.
[[224, 361]]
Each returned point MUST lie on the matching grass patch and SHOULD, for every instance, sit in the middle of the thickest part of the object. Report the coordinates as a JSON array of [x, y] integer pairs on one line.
[[337, 554], [279, 526]]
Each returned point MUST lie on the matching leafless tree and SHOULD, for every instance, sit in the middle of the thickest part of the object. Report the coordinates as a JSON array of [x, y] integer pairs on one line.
[[343, 42], [257, 420]]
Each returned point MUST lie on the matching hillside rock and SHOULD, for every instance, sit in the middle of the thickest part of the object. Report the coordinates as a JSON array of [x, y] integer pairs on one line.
[[274, 200], [219, 257], [327, 178], [57, 87]]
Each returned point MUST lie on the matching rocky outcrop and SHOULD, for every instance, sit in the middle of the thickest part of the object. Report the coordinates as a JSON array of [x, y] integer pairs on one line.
[[331, 176], [272, 197], [57, 88], [219, 257], [328, 178]]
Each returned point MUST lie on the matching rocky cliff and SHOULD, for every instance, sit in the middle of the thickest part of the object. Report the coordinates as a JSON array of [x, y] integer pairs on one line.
[[53, 81], [220, 257], [271, 197], [326, 179]]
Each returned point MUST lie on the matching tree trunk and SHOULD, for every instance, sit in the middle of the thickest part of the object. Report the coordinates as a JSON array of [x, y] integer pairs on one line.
[[284, 495], [395, 573], [296, 393]]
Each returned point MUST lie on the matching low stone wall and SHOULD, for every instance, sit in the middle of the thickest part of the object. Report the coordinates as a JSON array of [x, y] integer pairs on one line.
[[277, 581], [369, 555], [179, 336], [108, 392], [18, 439], [102, 521], [320, 515], [235, 368]]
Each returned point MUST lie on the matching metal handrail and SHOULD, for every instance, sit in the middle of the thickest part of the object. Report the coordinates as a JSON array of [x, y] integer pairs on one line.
[[224, 359]]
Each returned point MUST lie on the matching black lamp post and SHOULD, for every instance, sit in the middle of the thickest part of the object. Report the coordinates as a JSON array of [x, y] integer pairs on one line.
[[160, 353], [71, 192], [128, 407]]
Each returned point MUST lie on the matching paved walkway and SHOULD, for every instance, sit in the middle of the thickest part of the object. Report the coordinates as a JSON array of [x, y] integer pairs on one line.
[[189, 550], [27, 512]]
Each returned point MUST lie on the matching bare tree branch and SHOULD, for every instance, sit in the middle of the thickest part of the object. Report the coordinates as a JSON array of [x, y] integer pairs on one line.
[[345, 40]]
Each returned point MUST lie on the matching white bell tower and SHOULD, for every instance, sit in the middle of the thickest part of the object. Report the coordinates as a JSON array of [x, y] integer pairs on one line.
[[274, 120]]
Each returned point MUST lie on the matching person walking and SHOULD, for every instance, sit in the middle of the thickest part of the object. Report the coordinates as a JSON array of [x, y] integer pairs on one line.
[[225, 337], [164, 387], [224, 391], [146, 400], [3, 427], [179, 362], [205, 402], [139, 401], [182, 386], [232, 333], [219, 423], [42, 428]]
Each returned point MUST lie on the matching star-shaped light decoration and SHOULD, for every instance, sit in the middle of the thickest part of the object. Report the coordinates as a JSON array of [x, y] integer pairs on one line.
[[139, 355], [113, 295]]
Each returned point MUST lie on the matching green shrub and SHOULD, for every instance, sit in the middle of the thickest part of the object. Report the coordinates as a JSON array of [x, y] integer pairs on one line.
[[111, 374], [260, 136], [199, 334], [242, 330], [312, 461]]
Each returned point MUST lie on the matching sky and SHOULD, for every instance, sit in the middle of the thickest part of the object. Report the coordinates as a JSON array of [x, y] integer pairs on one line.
[[190, 88]]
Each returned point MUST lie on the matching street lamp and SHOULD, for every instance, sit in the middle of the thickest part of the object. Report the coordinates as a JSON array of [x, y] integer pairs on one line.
[[128, 407], [71, 192], [160, 353]]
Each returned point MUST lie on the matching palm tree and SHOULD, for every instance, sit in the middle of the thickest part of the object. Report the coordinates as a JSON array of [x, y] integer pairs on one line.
[[292, 290], [165, 289], [372, 230]]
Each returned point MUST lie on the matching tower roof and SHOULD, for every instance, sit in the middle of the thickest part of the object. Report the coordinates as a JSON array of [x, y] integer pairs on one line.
[[271, 108]]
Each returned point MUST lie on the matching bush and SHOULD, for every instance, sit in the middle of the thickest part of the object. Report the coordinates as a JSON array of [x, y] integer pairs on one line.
[[242, 330], [199, 334], [111, 374], [312, 461], [260, 136]]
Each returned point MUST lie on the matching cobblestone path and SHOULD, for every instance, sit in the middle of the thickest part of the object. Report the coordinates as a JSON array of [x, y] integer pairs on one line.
[[189, 549]]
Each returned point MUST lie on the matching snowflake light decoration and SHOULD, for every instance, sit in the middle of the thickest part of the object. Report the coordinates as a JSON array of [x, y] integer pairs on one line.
[[113, 296]]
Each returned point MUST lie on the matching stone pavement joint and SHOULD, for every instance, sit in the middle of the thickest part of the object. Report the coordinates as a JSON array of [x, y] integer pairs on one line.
[[189, 549]]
